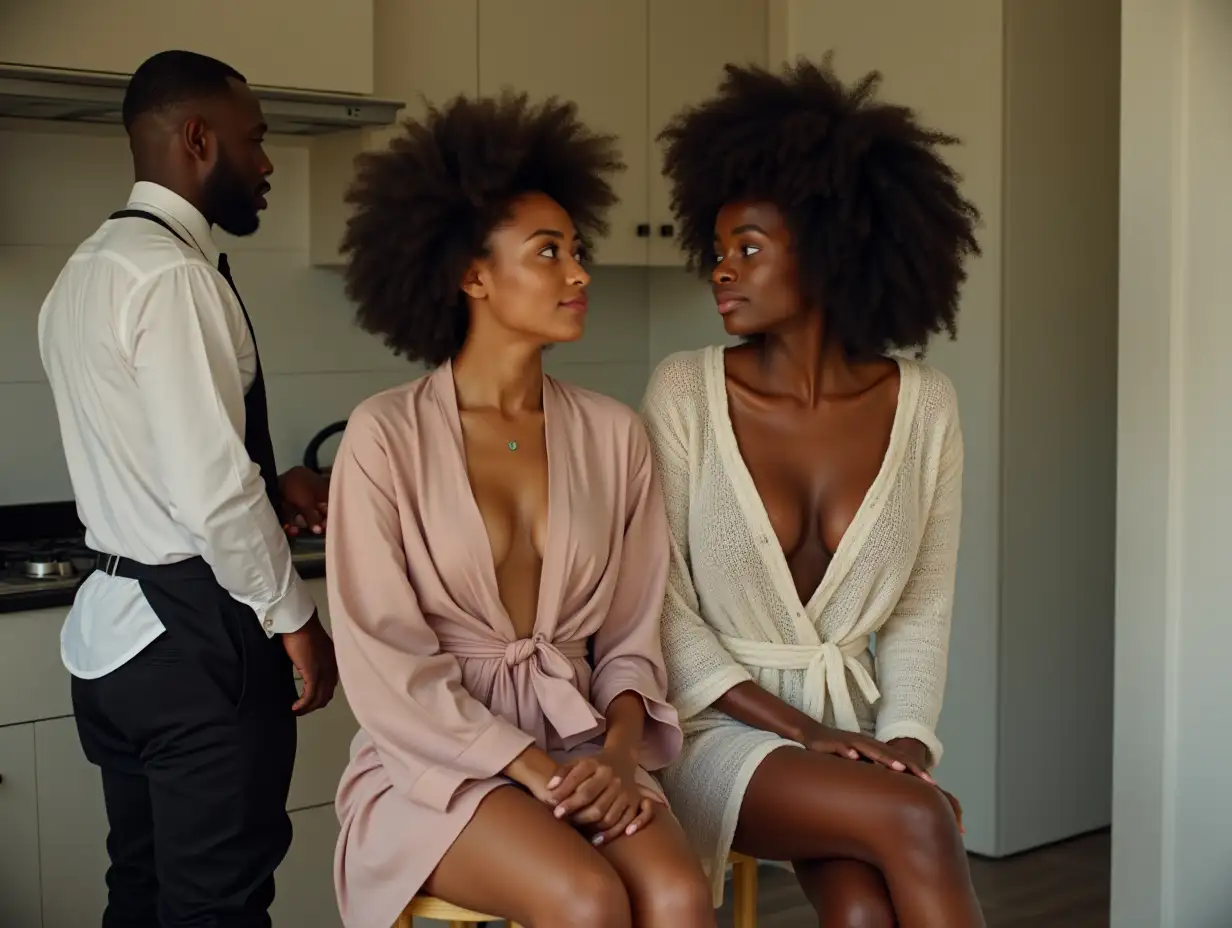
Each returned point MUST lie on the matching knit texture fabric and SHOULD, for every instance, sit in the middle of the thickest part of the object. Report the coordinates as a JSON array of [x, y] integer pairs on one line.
[[732, 613]]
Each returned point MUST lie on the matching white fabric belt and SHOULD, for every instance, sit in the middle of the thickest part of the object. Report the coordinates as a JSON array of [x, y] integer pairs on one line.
[[825, 669]]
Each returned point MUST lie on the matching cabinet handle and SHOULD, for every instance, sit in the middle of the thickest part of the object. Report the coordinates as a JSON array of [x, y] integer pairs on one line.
[[666, 230], [643, 230]]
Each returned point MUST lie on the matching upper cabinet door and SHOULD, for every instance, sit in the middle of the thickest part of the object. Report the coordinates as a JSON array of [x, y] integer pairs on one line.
[[594, 53], [308, 44], [690, 42]]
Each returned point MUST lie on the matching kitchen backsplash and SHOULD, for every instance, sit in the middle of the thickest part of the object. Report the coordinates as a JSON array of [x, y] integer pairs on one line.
[[56, 187]]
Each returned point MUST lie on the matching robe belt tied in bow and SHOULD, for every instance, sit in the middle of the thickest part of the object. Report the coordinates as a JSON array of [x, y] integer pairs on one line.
[[551, 675], [825, 669]]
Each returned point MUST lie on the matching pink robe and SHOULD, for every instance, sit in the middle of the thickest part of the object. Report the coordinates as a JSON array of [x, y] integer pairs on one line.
[[445, 695]]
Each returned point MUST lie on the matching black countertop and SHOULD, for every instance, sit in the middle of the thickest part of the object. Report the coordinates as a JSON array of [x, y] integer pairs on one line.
[[58, 520], [27, 600]]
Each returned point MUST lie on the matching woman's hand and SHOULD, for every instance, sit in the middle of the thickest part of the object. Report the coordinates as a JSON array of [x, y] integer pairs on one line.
[[855, 746], [600, 795], [534, 769]]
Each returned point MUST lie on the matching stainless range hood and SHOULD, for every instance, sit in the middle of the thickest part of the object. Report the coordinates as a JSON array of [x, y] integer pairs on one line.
[[94, 97]]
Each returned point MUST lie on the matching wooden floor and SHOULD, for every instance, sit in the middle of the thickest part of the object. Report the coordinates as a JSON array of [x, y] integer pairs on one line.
[[1062, 886]]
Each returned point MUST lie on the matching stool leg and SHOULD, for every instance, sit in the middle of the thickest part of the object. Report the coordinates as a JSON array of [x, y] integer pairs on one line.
[[744, 894]]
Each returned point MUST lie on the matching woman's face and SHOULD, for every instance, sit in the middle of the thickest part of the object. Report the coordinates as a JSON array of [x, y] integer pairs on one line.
[[756, 281], [531, 283]]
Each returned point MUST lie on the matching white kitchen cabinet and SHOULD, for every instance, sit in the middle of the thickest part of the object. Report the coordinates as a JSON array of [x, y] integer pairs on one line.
[[20, 903], [72, 823], [33, 682], [423, 50], [308, 44], [690, 42], [594, 54], [629, 65]]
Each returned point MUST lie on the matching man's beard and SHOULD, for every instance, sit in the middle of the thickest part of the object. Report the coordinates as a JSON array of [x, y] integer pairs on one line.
[[230, 205]]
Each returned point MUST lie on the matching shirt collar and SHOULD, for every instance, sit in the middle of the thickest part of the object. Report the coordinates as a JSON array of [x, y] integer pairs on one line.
[[182, 215]]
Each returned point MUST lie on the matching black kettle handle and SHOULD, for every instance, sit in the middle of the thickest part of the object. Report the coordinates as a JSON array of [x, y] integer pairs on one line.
[[311, 459]]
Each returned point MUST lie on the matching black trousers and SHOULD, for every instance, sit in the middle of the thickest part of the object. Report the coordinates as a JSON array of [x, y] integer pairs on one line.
[[196, 742]]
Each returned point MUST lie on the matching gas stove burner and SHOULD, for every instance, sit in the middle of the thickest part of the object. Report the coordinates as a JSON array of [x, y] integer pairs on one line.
[[47, 567]]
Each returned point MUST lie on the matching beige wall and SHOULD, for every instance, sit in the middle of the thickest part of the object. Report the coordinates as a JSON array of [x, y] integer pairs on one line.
[[55, 187], [1172, 845]]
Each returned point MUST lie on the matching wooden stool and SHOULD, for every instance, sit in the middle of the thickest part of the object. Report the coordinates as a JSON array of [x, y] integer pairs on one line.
[[744, 890], [744, 902], [458, 917]]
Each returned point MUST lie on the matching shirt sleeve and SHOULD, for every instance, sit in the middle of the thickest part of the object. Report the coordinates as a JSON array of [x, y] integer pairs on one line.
[[699, 668], [913, 645], [182, 324], [628, 650], [405, 691]]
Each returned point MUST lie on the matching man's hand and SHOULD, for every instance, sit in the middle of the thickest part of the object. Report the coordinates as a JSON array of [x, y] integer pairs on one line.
[[305, 499], [312, 653]]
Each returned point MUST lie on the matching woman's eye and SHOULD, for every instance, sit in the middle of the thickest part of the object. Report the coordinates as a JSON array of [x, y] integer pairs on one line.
[[549, 251], [749, 250]]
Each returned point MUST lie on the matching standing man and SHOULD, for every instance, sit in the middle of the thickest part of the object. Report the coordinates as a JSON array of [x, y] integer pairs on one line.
[[181, 643]]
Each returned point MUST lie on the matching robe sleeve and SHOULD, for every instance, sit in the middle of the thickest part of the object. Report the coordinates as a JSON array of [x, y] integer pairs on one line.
[[430, 733], [699, 668], [628, 649], [913, 644]]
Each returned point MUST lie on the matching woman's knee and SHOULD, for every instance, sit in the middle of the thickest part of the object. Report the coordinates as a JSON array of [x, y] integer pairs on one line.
[[923, 820], [589, 894], [675, 896], [847, 894], [856, 909]]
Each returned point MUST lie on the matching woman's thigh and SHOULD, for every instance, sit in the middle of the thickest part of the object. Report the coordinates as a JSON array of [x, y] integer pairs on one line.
[[662, 875], [516, 861], [801, 805]]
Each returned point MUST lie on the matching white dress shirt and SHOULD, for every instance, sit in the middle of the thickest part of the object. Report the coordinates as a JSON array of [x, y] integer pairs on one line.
[[149, 358]]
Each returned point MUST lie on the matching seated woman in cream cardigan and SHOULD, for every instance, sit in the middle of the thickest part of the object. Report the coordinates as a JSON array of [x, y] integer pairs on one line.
[[813, 486]]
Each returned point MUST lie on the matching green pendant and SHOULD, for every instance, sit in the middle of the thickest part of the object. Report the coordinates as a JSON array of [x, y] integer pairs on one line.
[[513, 446]]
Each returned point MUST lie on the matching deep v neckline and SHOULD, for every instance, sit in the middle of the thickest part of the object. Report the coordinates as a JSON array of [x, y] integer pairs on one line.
[[805, 614], [549, 573]]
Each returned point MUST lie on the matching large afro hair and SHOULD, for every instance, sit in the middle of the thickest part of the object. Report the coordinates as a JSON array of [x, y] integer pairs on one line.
[[425, 207], [880, 227]]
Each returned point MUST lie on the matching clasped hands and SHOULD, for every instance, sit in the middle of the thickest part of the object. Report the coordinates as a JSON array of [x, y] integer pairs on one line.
[[599, 795]]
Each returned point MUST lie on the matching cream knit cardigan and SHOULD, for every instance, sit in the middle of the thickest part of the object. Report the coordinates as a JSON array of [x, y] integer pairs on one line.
[[732, 612]]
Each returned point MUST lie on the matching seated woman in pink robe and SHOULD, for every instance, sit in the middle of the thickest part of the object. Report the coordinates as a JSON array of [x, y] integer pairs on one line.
[[497, 552]]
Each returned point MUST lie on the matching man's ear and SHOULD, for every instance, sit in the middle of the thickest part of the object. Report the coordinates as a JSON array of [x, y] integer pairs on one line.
[[199, 139], [473, 282]]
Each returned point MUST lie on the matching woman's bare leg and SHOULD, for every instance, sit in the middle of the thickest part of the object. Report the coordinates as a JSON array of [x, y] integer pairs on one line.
[[661, 872], [802, 805], [516, 861], [846, 893]]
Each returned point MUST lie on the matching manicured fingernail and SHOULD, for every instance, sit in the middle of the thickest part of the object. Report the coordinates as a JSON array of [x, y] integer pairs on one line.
[[554, 782], [853, 754], [929, 779], [560, 811], [632, 828], [598, 839], [899, 765]]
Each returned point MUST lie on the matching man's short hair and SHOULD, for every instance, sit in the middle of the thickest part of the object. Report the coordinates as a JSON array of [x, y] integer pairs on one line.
[[170, 78]]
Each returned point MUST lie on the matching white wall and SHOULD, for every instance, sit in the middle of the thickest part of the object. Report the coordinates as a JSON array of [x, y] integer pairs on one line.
[[1172, 844], [56, 186]]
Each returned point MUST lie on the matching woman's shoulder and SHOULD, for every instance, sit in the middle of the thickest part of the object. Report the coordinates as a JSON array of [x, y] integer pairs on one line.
[[937, 398], [393, 411], [678, 382]]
